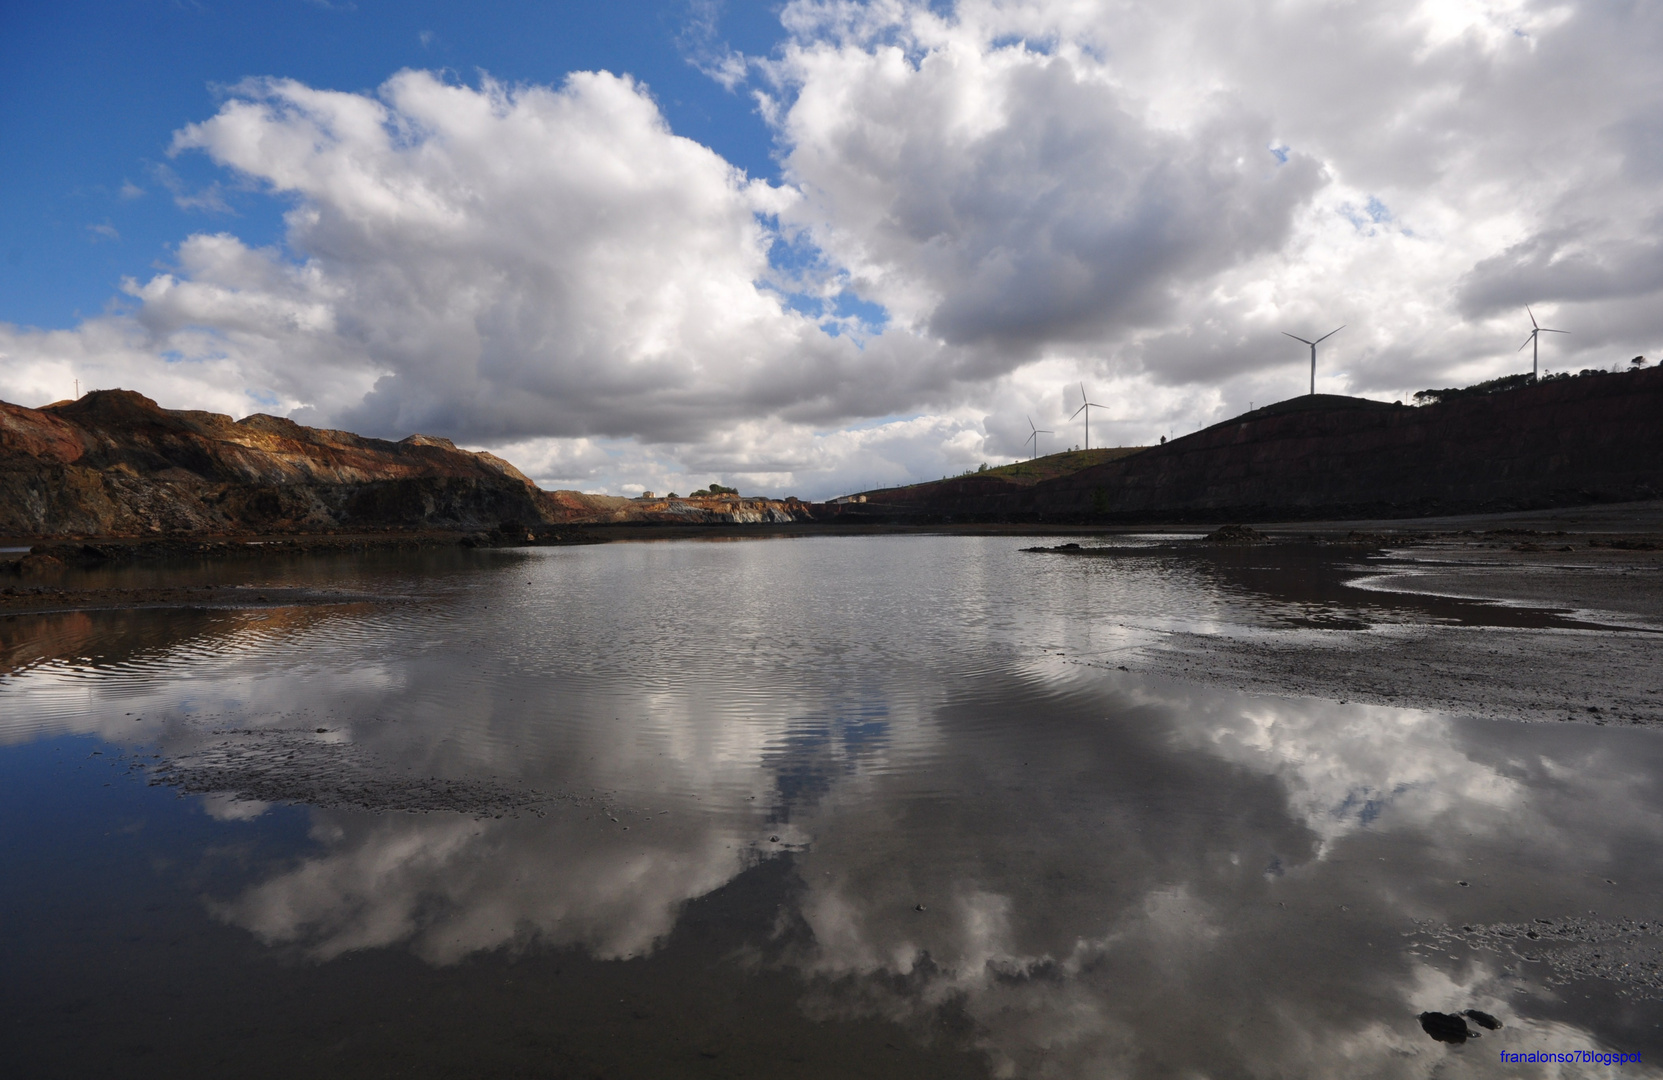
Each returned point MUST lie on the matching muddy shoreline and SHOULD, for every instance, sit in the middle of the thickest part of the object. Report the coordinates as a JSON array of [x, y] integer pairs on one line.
[[1554, 616], [1513, 624]]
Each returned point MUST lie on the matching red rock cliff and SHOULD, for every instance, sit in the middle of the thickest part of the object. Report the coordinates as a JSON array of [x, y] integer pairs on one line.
[[114, 463]]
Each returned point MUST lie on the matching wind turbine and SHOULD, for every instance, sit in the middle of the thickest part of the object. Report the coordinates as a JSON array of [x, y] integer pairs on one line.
[[1536, 331], [1035, 433], [1086, 408], [1313, 345]]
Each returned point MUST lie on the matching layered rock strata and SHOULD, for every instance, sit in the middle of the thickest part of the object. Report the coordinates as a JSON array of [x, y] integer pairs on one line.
[[115, 464]]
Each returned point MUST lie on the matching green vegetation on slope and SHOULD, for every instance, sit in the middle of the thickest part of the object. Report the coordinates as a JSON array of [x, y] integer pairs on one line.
[[1022, 473], [1052, 466], [1513, 382]]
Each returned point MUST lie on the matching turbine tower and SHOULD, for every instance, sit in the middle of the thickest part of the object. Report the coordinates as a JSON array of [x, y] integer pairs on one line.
[[1313, 345], [1536, 331], [1086, 408], [1034, 434]]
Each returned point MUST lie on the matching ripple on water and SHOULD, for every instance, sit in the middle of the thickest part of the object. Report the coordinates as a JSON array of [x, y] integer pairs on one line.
[[903, 770]]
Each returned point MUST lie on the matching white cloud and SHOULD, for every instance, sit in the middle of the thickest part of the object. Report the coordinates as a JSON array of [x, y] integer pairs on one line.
[[701, 42], [1162, 194], [1017, 199], [1034, 193]]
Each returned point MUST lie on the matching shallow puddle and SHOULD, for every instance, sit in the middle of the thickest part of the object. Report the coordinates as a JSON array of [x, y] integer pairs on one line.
[[877, 806]]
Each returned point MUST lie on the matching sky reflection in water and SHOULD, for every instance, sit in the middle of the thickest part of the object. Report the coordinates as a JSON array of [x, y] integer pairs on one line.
[[1086, 871]]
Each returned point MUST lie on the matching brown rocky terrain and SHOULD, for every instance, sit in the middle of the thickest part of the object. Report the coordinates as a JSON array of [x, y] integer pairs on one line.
[[115, 464], [1587, 439]]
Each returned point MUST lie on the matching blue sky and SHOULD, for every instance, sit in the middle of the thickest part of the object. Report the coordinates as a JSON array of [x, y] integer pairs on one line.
[[808, 246], [94, 90]]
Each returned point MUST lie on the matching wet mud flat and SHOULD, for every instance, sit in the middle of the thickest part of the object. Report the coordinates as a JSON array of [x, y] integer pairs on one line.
[[1509, 623], [40, 598], [37, 558], [1625, 954], [307, 767]]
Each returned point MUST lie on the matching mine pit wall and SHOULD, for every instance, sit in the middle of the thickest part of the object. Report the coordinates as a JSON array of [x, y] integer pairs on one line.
[[719, 510], [1596, 438], [83, 502], [115, 464]]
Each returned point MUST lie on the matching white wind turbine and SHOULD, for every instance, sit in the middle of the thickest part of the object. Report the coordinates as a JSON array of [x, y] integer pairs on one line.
[[1536, 331], [1313, 345], [1086, 408], [1034, 434]]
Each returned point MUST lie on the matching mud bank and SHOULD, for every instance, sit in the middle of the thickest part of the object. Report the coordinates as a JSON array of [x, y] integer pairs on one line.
[[1512, 624], [1627, 954], [314, 767], [44, 599]]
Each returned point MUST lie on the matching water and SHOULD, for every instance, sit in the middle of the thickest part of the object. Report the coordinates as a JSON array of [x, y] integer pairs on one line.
[[877, 806]]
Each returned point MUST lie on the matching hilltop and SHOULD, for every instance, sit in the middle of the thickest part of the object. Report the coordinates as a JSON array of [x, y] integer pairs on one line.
[[969, 496], [1051, 466], [1594, 438]]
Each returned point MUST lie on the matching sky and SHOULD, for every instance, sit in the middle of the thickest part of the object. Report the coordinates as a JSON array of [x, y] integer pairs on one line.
[[819, 246]]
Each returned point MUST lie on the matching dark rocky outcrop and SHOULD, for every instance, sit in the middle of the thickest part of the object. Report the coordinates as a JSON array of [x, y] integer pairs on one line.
[[1596, 438]]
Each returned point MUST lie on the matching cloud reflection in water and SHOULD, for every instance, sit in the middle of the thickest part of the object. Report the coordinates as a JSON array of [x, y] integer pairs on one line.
[[1139, 877], [1079, 871]]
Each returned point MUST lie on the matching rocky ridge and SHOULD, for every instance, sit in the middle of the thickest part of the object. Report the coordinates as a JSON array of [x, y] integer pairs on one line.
[[115, 464]]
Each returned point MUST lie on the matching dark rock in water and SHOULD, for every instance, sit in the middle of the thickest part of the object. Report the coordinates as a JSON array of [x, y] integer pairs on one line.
[[1236, 534], [1482, 1019], [35, 565], [1446, 1027]]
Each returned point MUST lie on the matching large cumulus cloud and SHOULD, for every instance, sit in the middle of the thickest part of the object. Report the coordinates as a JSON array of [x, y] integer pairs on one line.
[[1017, 196], [979, 206], [1162, 191], [505, 261]]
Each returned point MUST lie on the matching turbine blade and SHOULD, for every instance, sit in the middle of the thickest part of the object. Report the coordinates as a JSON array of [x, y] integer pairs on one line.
[[1076, 412], [1532, 315], [1328, 335], [1527, 341], [1296, 337], [1031, 424], [1545, 330]]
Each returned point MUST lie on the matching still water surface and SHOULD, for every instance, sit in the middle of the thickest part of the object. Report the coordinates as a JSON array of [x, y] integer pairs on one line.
[[867, 806]]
